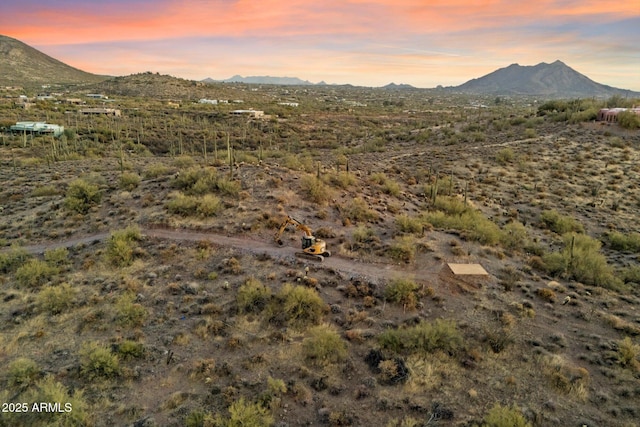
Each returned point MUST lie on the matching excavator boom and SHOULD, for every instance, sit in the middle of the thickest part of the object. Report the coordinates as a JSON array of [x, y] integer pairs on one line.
[[311, 246]]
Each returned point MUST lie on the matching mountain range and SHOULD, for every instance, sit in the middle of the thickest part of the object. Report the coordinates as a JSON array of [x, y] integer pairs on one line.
[[22, 65]]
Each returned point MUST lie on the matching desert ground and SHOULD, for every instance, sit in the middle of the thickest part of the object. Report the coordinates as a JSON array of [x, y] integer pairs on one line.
[[140, 283]]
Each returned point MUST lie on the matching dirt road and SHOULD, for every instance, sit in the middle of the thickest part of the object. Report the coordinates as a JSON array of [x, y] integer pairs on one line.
[[347, 267]]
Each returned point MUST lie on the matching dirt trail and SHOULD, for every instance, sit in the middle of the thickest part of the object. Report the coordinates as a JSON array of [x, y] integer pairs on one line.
[[374, 272]]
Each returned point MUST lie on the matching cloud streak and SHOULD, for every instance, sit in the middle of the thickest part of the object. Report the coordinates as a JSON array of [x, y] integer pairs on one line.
[[369, 42]]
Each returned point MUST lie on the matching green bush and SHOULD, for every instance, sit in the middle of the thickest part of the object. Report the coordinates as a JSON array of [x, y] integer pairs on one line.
[[154, 171], [45, 191], [561, 224], [56, 299], [23, 372], [582, 261], [97, 361], [440, 335], [205, 206], [253, 296], [358, 210], [342, 180], [407, 224], [315, 190], [81, 196], [452, 214], [129, 181], [391, 188], [363, 234], [122, 245], [196, 180], [228, 187], [504, 416], [624, 242], [402, 291], [131, 349], [628, 353], [244, 414], [504, 156], [297, 306], [57, 257], [403, 249], [12, 259], [128, 312], [324, 346], [629, 120], [35, 273], [74, 411], [514, 236]]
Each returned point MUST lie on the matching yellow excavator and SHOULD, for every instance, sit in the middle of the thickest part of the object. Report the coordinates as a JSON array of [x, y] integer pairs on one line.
[[312, 247]]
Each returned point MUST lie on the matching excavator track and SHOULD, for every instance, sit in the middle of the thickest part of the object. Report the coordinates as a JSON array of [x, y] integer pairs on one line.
[[318, 258]]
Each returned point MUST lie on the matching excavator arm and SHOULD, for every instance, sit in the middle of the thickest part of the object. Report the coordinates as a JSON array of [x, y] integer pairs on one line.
[[311, 247]]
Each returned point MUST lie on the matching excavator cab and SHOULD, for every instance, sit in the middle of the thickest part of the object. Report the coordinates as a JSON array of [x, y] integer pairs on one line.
[[312, 247]]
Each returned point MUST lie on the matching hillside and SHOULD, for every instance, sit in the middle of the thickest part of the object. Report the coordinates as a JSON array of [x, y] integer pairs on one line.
[[551, 80], [22, 65]]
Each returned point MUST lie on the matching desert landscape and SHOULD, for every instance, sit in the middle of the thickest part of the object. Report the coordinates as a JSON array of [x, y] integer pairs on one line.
[[141, 283]]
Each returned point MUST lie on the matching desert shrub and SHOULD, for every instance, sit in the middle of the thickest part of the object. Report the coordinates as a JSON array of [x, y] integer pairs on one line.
[[129, 181], [45, 191], [74, 409], [154, 171], [228, 187], [582, 261], [183, 205], [624, 242], [34, 273], [56, 299], [440, 335], [253, 296], [315, 190], [12, 259], [129, 349], [504, 416], [391, 187], [455, 216], [560, 224], [297, 306], [81, 196], [245, 414], [628, 354], [208, 205], [128, 312], [402, 291], [121, 246], [514, 236], [22, 372], [57, 257], [629, 120], [363, 234], [97, 361], [407, 224], [565, 377], [196, 180], [324, 346], [630, 274], [184, 162], [504, 156], [403, 248], [358, 210], [546, 294], [342, 180]]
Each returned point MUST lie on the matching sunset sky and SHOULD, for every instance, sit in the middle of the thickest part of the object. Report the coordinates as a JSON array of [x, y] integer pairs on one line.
[[362, 42]]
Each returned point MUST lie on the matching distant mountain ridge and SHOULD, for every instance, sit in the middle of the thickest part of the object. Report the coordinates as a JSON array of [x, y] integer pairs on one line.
[[266, 80], [549, 80], [22, 65]]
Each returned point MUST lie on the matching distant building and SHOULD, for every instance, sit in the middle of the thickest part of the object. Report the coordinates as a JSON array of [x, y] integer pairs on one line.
[[45, 98], [610, 115], [208, 101], [289, 104], [250, 113], [105, 111], [76, 101], [97, 96], [37, 128]]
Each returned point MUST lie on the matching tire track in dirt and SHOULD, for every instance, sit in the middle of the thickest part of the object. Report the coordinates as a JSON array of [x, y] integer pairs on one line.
[[346, 267]]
